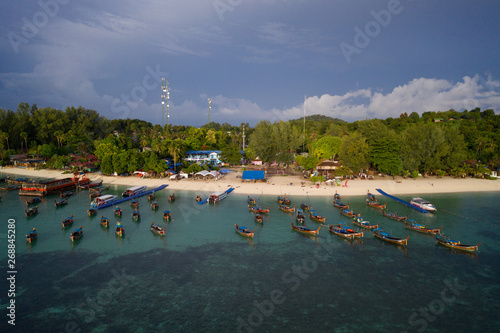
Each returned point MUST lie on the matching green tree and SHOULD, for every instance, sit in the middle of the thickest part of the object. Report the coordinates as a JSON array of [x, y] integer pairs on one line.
[[354, 151], [107, 164], [384, 156], [326, 147]]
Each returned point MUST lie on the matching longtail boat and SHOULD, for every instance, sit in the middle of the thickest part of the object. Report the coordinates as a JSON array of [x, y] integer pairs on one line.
[[171, 197], [157, 230], [375, 204], [259, 210], [198, 198], [10, 188], [251, 201], [412, 225], [287, 209], [33, 201], [155, 205], [371, 196], [166, 215], [342, 230], [65, 194], [134, 203], [31, 211], [31, 236], [90, 185], [340, 205], [119, 231], [304, 206], [244, 231], [136, 215], [118, 211], [77, 234], [283, 200], [95, 194], [91, 211], [394, 216], [316, 217], [61, 202], [300, 217], [336, 196], [67, 221], [151, 196], [349, 213], [303, 230], [364, 224], [104, 221], [446, 241], [385, 236], [258, 218]]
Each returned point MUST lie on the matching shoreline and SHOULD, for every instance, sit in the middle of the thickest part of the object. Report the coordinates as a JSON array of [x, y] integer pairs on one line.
[[289, 185]]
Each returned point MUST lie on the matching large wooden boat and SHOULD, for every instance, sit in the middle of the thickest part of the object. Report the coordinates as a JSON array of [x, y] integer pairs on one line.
[[33, 201], [300, 217], [303, 230], [316, 217], [375, 204], [259, 210], [54, 185], [155, 205], [287, 209], [394, 216], [258, 218], [104, 221], [244, 231], [61, 202], [338, 204], [31, 236], [31, 211], [385, 236], [251, 201], [349, 213], [134, 190], [412, 225], [67, 221], [305, 206], [119, 231], [453, 244], [118, 211], [77, 234], [342, 230], [157, 230], [166, 215], [364, 224]]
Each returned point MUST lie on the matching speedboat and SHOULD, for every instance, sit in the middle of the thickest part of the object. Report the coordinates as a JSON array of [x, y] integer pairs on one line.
[[102, 200], [424, 204], [133, 190]]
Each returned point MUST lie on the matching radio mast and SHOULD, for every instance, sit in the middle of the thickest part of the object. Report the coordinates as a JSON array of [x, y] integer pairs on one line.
[[209, 110], [165, 98]]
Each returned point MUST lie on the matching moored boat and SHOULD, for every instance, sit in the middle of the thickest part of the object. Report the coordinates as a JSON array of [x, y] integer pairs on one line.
[[412, 225], [155, 205], [119, 231], [259, 210], [394, 216], [453, 244], [157, 230], [33, 201], [31, 211], [283, 200], [134, 190], [65, 194], [103, 200], [338, 204], [90, 184], [316, 217], [371, 196], [166, 215], [303, 230], [61, 202], [258, 218], [375, 204], [336, 196], [151, 196], [136, 215], [300, 217], [91, 211], [76, 234], [244, 231], [104, 221], [349, 213], [198, 198], [342, 230], [364, 224], [250, 200], [31, 236], [287, 209], [134, 203], [67, 221], [423, 204], [118, 211], [305, 206], [216, 197], [171, 197], [385, 236]]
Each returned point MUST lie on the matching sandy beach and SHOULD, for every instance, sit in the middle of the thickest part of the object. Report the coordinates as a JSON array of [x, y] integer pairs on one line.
[[289, 185]]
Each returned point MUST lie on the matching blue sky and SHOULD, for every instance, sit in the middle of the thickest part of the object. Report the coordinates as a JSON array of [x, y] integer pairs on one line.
[[255, 59]]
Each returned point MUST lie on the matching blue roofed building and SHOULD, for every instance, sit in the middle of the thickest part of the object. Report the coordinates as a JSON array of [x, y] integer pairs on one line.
[[211, 157]]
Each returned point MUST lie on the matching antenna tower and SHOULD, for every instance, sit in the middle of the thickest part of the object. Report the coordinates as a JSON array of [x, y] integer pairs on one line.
[[209, 110], [304, 139]]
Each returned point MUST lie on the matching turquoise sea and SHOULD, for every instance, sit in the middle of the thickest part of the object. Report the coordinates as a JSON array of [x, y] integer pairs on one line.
[[204, 277]]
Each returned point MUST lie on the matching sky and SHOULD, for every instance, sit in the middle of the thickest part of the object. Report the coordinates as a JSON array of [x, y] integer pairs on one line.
[[255, 59]]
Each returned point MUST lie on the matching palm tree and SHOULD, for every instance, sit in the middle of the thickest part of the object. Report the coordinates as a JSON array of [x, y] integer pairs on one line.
[[24, 136], [175, 147]]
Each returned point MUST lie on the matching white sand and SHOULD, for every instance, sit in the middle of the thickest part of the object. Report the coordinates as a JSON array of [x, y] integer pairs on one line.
[[290, 185]]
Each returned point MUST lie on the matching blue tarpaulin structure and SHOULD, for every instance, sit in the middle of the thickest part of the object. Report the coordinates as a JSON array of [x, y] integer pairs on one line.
[[252, 175]]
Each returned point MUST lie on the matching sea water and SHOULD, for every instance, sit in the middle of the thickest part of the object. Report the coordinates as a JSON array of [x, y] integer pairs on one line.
[[204, 277]]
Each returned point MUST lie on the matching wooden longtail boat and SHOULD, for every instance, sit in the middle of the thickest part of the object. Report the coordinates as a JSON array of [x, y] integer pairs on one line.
[[338, 204], [157, 230], [10, 188], [171, 197], [446, 241], [155, 205], [91, 211], [136, 215], [251, 201], [151, 196], [394, 216], [119, 231], [61, 202], [303, 230], [336, 196], [258, 218], [77, 234], [342, 230], [31, 211], [283, 200], [375, 204], [316, 217], [385, 236], [67, 221], [104, 221], [198, 198], [304, 206], [300, 217], [118, 211], [349, 213], [259, 210], [244, 231], [31, 236], [65, 194], [134, 203], [371, 197], [364, 224], [95, 194], [412, 225], [33, 201], [287, 209], [166, 215]]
